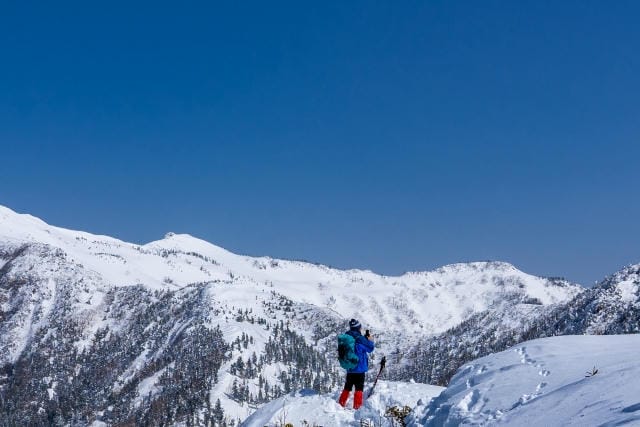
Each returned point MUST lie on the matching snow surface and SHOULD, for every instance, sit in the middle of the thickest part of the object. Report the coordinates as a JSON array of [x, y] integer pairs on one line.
[[324, 410], [422, 302], [147, 387], [402, 308], [628, 290], [544, 382]]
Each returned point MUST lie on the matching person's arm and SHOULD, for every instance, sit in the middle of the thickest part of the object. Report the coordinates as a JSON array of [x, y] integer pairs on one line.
[[366, 343]]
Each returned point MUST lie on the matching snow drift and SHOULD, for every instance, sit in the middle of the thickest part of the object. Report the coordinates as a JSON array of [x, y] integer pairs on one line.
[[545, 382], [323, 410], [559, 381]]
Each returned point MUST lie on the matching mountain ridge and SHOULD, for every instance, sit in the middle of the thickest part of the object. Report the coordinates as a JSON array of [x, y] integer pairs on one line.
[[181, 259], [188, 239], [148, 311]]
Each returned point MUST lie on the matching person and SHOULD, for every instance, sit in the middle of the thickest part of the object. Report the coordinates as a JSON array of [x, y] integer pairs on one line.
[[355, 376]]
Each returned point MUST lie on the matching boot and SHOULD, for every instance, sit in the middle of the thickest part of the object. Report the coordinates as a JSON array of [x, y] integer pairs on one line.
[[344, 396], [357, 400]]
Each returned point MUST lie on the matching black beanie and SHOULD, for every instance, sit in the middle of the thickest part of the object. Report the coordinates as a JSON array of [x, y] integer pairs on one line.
[[354, 324]]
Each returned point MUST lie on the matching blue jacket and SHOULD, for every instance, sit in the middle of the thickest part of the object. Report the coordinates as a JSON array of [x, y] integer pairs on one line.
[[363, 346]]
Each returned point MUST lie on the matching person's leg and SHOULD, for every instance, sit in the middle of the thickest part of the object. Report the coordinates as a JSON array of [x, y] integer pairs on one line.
[[358, 397], [344, 396], [348, 385]]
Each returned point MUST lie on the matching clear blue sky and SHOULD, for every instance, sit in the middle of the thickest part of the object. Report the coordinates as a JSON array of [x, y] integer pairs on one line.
[[392, 136]]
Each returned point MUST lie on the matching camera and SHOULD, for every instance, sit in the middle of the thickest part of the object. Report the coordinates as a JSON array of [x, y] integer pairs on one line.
[[366, 333]]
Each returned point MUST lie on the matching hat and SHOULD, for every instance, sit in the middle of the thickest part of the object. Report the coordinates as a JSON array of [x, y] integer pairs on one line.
[[354, 324]]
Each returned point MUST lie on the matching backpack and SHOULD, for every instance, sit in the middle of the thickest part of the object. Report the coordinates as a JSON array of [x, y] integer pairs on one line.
[[347, 351]]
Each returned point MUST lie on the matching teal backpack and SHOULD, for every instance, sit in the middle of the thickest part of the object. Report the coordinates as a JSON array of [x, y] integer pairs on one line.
[[347, 351]]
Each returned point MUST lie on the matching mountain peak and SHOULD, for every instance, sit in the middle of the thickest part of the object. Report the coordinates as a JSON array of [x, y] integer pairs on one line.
[[481, 266], [187, 243], [472, 266]]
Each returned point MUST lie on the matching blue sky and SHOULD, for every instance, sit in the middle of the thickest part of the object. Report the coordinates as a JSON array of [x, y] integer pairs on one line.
[[391, 136]]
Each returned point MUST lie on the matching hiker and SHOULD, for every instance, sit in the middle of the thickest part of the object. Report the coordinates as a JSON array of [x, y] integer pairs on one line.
[[355, 375]]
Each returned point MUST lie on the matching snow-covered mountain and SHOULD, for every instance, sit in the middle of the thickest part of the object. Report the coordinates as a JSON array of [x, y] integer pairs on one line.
[[421, 303], [558, 381], [610, 307], [96, 328]]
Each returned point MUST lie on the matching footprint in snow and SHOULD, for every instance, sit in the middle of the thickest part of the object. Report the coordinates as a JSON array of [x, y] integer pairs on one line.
[[526, 397], [472, 402], [540, 387], [524, 356]]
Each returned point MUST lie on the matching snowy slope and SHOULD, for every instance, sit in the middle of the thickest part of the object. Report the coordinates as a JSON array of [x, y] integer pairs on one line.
[[323, 410], [415, 303], [85, 293], [614, 304], [543, 383], [426, 302], [537, 383]]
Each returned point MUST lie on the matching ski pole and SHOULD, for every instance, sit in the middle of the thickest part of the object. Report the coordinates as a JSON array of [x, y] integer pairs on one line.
[[383, 362]]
